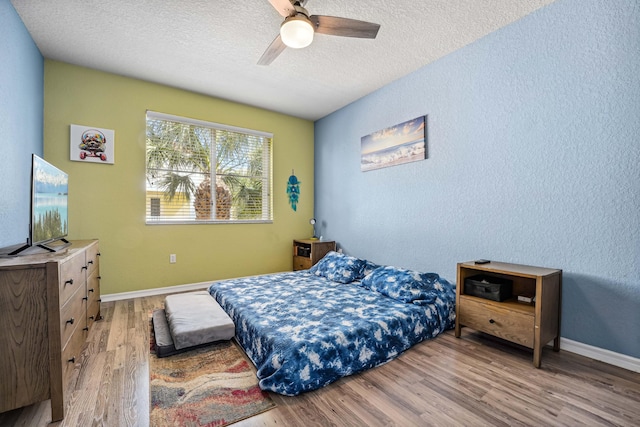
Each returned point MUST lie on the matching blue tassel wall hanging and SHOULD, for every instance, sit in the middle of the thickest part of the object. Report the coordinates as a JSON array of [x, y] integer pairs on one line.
[[293, 190]]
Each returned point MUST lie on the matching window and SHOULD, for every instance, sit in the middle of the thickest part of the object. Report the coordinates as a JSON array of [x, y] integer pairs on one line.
[[206, 172]]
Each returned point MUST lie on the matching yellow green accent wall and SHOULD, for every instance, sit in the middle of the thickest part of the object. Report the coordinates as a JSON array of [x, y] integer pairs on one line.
[[107, 202]]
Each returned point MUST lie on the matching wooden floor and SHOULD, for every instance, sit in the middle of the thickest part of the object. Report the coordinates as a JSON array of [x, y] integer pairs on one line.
[[471, 381]]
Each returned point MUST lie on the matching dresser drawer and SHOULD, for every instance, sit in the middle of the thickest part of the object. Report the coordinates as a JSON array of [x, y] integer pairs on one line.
[[72, 316], [71, 353], [93, 295], [497, 320], [92, 258], [72, 276], [93, 287]]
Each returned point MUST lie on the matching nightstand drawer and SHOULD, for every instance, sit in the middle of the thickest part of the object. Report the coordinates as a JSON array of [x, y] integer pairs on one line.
[[301, 263], [498, 321]]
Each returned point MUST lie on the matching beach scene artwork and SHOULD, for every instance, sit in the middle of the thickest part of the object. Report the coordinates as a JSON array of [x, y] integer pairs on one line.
[[403, 143]]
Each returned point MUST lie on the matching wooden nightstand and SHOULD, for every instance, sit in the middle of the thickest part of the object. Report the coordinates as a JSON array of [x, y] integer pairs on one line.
[[533, 325], [307, 253]]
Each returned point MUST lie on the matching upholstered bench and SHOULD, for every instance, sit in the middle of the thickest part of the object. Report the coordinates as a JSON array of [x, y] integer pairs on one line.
[[189, 320]]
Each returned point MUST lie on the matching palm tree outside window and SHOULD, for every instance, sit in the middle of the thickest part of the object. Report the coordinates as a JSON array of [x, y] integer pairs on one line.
[[198, 171]]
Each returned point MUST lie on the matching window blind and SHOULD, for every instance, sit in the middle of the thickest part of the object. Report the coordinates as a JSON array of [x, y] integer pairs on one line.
[[199, 171]]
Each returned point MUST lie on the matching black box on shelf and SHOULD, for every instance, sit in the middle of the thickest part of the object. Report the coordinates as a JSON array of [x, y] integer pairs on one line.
[[488, 287], [303, 251]]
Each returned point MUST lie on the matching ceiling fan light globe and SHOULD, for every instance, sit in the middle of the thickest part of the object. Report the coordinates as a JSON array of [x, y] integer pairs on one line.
[[296, 32]]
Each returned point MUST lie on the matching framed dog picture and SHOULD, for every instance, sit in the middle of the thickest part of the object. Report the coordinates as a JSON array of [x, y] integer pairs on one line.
[[91, 144]]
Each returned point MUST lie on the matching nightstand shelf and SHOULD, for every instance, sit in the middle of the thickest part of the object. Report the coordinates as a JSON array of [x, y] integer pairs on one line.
[[532, 326], [307, 252]]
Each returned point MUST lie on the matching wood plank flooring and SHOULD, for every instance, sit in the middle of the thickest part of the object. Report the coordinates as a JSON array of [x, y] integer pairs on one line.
[[472, 381]]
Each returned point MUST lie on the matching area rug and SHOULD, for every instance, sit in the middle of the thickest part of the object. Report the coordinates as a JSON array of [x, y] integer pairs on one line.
[[210, 386]]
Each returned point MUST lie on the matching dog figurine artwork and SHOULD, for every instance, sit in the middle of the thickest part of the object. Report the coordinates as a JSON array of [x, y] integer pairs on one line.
[[93, 145]]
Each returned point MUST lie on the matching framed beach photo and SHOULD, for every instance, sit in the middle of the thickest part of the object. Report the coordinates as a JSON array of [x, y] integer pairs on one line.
[[403, 143]]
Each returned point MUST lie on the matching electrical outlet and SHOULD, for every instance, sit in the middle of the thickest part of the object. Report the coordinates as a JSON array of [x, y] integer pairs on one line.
[[172, 258]]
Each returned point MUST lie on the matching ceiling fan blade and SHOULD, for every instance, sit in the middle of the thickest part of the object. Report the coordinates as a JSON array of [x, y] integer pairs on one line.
[[275, 48], [344, 27], [284, 7]]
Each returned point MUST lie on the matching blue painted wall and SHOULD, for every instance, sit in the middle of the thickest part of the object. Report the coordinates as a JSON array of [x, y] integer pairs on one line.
[[21, 122], [534, 158]]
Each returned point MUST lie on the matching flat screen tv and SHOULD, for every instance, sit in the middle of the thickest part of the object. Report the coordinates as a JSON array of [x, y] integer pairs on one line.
[[49, 202]]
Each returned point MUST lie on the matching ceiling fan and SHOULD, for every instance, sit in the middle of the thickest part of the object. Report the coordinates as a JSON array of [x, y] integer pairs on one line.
[[298, 28]]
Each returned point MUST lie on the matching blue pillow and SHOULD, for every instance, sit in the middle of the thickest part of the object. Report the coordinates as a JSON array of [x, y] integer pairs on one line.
[[367, 267], [403, 285], [338, 267]]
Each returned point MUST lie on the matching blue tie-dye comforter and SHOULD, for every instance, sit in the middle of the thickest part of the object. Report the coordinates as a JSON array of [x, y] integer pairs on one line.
[[304, 331]]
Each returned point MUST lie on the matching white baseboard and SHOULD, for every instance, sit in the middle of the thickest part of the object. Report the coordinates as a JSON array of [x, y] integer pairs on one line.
[[157, 291], [607, 356], [168, 290]]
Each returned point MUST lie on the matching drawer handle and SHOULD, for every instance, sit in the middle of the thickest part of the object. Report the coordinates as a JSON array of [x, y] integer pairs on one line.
[[90, 262], [86, 328], [84, 267], [69, 282], [99, 277], [85, 298], [91, 317], [98, 254], [492, 321], [72, 360], [71, 320], [91, 290], [99, 299]]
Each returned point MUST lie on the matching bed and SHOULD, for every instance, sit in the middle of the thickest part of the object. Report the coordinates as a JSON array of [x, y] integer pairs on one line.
[[306, 329]]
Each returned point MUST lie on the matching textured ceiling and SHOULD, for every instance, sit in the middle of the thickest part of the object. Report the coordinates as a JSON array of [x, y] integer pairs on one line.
[[212, 47]]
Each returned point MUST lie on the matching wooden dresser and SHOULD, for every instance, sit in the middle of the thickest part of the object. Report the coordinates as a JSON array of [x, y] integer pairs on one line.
[[48, 302]]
